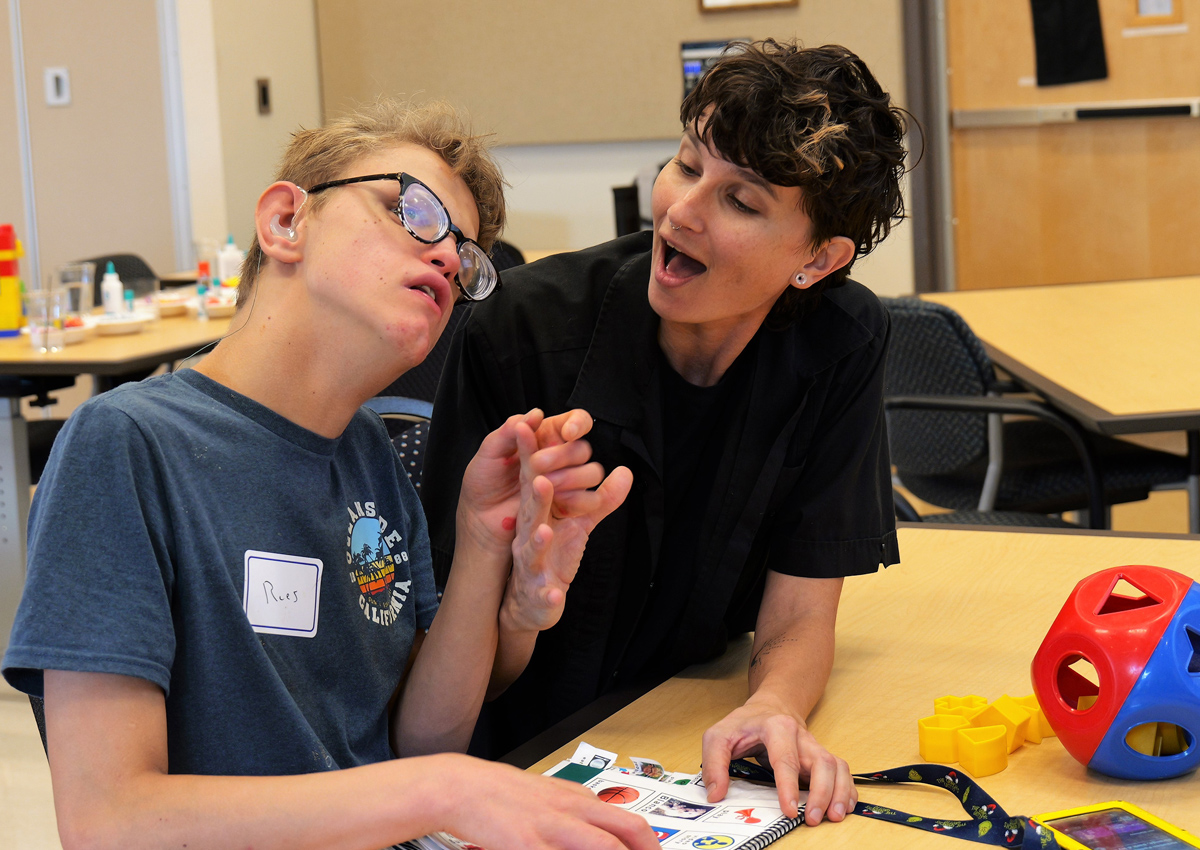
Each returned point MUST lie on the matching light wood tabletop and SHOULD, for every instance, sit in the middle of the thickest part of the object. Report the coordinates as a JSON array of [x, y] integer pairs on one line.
[[1129, 348], [172, 338], [963, 613]]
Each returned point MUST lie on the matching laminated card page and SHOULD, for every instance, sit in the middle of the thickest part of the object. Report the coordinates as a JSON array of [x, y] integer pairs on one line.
[[674, 804]]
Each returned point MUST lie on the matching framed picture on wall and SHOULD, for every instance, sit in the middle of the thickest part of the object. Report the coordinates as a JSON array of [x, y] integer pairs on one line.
[[729, 5], [1155, 12]]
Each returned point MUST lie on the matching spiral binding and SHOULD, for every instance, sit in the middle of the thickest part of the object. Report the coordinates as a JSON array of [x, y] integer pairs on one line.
[[774, 833]]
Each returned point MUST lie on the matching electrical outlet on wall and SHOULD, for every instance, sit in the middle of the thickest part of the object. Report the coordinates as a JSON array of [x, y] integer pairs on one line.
[[58, 87]]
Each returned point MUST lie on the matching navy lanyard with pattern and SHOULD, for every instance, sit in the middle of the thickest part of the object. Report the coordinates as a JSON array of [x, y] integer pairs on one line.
[[988, 824]]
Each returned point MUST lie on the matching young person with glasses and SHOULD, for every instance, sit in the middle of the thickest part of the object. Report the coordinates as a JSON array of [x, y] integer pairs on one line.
[[731, 364], [230, 605]]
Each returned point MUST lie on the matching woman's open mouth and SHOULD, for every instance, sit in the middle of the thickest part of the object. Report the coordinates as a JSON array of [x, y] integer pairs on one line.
[[678, 265]]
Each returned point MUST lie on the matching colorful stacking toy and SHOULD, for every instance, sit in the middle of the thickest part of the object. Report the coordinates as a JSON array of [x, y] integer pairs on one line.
[[1118, 674], [10, 281]]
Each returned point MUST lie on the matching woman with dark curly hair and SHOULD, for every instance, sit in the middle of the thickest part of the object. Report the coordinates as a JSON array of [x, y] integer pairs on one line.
[[731, 364]]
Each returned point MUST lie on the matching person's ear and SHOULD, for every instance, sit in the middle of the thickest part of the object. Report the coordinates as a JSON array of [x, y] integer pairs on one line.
[[277, 221], [833, 255]]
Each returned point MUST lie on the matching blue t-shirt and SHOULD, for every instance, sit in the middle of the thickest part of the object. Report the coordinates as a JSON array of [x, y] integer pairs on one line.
[[174, 513]]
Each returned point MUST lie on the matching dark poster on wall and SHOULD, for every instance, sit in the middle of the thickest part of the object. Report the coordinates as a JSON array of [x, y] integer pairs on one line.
[[1069, 41]]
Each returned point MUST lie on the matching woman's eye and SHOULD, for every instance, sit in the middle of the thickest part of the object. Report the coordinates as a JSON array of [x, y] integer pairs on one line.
[[685, 168], [739, 206]]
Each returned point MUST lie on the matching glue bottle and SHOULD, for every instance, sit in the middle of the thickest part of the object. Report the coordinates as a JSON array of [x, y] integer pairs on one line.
[[112, 292], [229, 261], [203, 281]]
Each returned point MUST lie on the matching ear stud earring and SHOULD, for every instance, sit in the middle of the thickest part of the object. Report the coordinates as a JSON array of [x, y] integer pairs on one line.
[[288, 233], [801, 280]]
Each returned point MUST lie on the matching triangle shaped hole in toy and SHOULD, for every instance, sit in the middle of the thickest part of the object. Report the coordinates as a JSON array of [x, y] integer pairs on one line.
[[1078, 683], [1194, 637], [1124, 595]]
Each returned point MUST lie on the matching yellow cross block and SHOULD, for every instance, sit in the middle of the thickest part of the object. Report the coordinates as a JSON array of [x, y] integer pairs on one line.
[[962, 706]]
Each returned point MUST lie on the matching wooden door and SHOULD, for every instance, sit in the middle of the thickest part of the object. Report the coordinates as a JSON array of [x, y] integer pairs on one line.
[[1039, 198]]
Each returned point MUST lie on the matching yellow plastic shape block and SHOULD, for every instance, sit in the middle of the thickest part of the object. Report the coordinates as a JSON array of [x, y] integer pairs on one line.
[[1156, 739], [1036, 717], [1008, 713], [962, 706], [1142, 739], [982, 750], [1033, 730], [1173, 741], [936, 737], [1085, 702]]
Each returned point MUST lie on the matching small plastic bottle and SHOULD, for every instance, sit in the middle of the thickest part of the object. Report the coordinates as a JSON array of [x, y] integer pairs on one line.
[[229, 261], [112, 292], [129, 301], [203, 283]]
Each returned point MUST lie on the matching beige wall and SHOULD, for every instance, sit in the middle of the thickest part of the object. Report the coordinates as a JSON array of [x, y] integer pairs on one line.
[[276, 39], [12, 199], [99, 164], [561, 194], [547, 71]]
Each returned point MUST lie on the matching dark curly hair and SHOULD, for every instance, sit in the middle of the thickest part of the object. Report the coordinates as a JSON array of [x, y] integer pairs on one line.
[[815, 118]]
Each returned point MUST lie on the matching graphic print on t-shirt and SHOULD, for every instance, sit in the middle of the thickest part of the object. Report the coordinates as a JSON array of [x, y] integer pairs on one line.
[[372, 552]]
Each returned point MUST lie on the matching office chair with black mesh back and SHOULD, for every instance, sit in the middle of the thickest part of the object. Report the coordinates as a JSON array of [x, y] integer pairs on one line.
[[905, 512], [407, 404], [952, 446], [39, 716]]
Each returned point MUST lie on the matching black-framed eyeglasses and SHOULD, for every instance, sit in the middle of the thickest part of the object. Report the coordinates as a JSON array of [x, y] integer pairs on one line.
[[427, 220]]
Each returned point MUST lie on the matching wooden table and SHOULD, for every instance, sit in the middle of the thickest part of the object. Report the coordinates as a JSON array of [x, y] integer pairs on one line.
[[164, 341], [963, 613], [1120, 358]]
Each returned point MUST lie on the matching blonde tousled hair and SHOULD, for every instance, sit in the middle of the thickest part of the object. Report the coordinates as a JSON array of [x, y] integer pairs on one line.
[[325, 153]]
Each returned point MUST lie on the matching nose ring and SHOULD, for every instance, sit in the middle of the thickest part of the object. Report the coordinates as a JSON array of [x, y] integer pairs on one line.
[[676, 226]]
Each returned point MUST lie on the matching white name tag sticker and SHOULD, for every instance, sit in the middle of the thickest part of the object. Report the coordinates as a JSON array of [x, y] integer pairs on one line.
[[282, 593]]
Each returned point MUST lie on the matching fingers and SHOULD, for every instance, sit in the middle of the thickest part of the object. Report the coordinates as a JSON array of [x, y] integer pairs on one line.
[[782, 742], [716, 752], [820, 791], [845, 795], [563, 428], [562, 456]]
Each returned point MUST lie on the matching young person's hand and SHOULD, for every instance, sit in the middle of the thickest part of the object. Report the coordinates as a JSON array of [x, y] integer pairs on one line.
[[559, 509], [491, 488], [779, 738], [502, 808]]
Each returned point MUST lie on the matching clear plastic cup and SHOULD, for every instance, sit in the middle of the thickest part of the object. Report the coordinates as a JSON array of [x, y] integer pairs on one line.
[[45, 310], [79, 281]]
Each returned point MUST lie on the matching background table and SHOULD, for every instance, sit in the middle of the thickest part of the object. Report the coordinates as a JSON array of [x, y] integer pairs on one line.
[[1120, 358], [164, 341], [963, 613]]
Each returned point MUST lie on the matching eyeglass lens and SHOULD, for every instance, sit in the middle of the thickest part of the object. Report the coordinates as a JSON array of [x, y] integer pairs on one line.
[[429, 221]]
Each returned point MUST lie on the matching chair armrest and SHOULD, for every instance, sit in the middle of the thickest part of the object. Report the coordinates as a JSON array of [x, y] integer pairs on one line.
[[398, 405], [1001, 387], [1024, 407]]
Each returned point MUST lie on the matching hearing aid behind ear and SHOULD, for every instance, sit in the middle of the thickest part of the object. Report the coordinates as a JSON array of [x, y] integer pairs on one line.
[[288, 233]]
